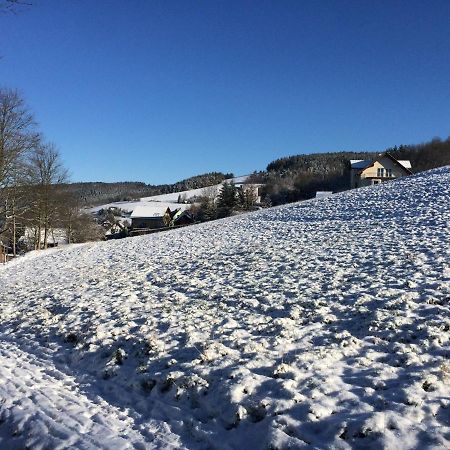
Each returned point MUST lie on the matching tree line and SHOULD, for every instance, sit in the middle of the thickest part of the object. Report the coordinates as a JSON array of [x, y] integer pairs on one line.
[[33, 201]]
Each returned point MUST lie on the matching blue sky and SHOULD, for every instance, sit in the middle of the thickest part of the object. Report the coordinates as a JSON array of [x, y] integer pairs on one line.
[[157, 91]]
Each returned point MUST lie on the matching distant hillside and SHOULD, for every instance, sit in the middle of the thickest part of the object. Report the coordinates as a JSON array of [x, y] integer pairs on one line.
[[287, 179], [299, 177], [96, 193]]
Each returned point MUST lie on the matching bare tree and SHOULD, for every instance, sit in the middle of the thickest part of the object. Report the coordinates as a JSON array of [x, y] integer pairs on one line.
[[16, 203], [17, 137], [12, 6], [84, 229], [17, 133], [46, 172]]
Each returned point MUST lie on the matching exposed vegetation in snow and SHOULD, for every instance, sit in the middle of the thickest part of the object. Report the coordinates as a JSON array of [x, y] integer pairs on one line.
[[323, 324]]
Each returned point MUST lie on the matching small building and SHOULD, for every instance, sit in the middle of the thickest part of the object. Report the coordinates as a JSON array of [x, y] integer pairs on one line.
[[323, 194], [154, 215], [149, 216], [373, 171]]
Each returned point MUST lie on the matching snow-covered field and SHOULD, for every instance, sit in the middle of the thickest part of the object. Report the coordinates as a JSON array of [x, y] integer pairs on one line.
[[323, 324]]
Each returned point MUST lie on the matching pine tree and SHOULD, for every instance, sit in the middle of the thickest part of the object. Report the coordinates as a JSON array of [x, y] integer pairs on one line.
[[227, 200]]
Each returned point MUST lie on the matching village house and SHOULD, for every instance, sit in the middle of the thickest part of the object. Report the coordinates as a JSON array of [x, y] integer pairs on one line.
[[155, 215], [373, 171], [148, 216]]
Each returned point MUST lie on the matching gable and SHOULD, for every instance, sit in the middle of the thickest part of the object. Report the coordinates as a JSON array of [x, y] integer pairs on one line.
[[384, 160]]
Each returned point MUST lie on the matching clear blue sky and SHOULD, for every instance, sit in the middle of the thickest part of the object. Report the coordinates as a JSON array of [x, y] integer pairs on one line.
[[157, 91]]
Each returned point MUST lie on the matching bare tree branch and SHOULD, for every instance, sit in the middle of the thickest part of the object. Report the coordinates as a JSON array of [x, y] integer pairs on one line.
[[12, 6]]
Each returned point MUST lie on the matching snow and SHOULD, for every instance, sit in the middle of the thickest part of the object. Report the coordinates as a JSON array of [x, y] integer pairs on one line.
[[155, 209], [323, 324], [56, 236], [405, 163], [126, 206], [173, 197], [323, 194]]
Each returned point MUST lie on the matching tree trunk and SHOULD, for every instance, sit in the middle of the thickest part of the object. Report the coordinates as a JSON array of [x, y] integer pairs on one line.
[[14, 234], [45, 234], [38, 237]]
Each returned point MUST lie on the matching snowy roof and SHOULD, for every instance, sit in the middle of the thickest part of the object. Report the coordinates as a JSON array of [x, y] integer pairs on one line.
[[155, 209], [145, 211], [363, 163], [405, 163]]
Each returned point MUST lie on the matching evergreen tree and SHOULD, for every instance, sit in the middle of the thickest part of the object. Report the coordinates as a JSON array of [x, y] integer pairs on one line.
[[227, 200]]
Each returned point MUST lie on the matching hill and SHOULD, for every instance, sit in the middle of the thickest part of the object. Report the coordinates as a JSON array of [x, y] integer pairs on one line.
[[323, 324], [97, 193]]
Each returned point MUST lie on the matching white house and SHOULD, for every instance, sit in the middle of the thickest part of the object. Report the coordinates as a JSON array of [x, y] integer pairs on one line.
[[372, 171]]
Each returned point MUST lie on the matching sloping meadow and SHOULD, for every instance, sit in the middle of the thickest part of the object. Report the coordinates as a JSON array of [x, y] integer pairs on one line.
[[322, 324]]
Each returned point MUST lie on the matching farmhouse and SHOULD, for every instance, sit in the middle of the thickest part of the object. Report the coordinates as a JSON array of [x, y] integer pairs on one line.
[[373, 171], [149, 216], [153, 215]]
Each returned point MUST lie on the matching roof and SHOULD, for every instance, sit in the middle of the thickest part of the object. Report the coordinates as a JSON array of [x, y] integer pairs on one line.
[[149, 211], [360, 163], [405, 163], [364, 163]]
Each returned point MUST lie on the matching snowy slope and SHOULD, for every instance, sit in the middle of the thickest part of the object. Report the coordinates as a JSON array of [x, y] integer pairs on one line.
[[168, 200], [323, 324], [173, 196], [192, 193]]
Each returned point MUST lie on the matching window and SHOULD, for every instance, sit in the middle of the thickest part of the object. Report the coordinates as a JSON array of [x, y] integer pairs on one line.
[[380, 172], [389, 173]]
